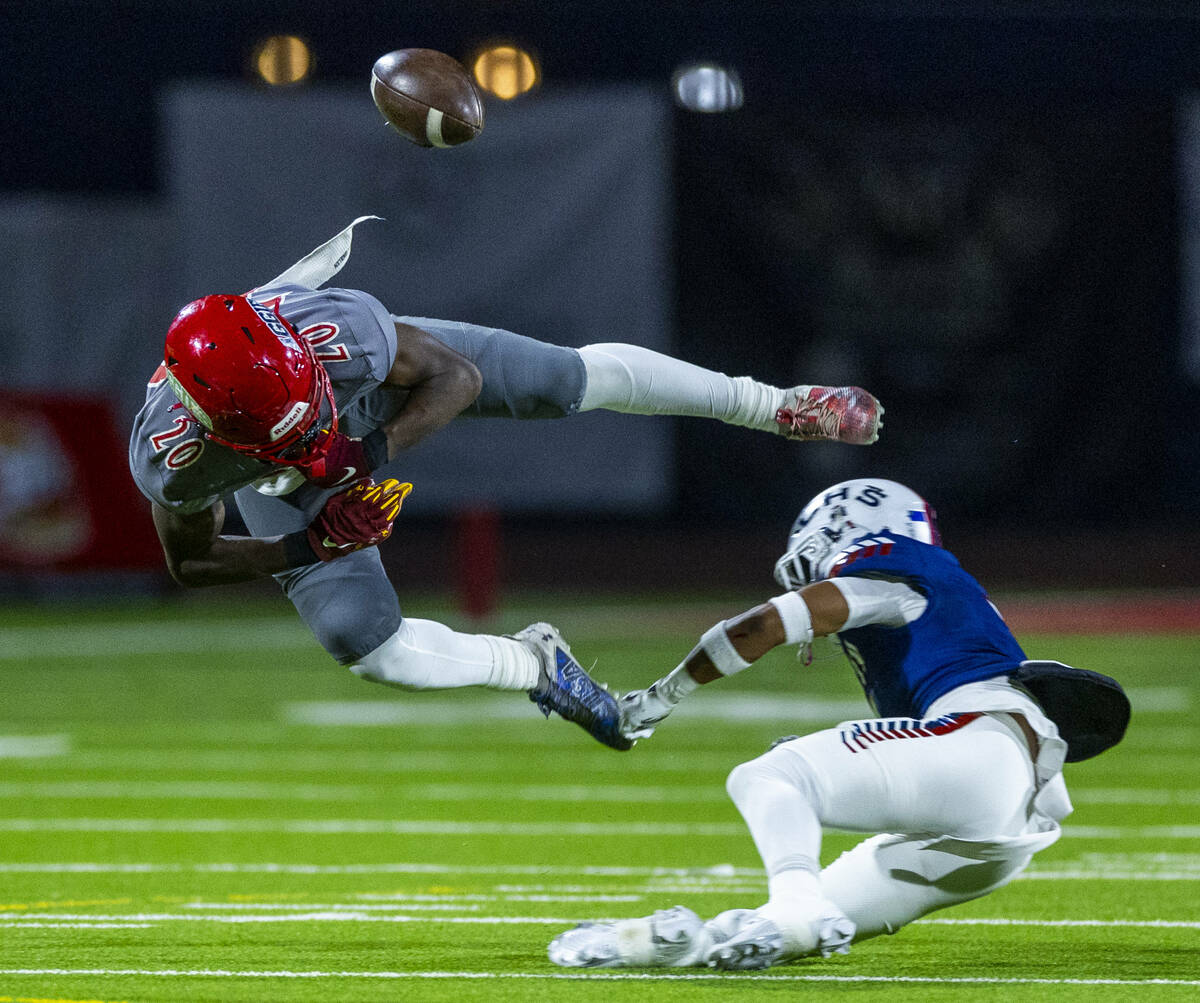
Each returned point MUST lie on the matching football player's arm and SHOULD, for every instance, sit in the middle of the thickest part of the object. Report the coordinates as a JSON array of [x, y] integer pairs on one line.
[[440, 382], [197, 554], [732, 645], [440, 385]]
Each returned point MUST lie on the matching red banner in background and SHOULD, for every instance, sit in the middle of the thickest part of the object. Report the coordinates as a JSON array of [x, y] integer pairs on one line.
[[67, 502]]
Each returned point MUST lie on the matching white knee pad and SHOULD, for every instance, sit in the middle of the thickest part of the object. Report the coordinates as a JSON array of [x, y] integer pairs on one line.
[[777, 796], [772, 769]]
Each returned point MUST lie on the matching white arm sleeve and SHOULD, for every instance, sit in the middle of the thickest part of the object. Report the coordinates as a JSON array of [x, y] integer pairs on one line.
[[889, 604], [797, 620]]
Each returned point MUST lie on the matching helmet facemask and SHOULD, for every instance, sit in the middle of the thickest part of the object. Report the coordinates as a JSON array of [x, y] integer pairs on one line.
[[799, 565]]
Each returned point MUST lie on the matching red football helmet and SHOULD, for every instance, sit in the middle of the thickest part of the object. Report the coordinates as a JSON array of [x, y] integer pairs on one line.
[[243, 373]]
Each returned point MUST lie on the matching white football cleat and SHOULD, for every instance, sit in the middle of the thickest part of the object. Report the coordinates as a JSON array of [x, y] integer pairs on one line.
[[726, 924], [761, 942], [839, 414], [565, 687], [670, 938]]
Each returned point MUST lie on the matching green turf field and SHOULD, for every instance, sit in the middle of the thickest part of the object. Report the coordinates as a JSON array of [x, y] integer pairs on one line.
[[196, 804]]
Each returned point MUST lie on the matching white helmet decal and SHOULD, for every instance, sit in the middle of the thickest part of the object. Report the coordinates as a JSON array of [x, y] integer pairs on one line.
[[842, 513]]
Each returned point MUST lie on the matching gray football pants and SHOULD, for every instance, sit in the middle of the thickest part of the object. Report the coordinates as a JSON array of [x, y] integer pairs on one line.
[[349, 604]]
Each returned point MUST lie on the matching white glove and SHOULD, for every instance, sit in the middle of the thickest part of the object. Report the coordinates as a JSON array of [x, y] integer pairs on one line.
[[641, 712]]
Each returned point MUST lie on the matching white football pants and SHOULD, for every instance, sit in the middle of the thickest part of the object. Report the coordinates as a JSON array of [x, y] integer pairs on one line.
[[954, 810]]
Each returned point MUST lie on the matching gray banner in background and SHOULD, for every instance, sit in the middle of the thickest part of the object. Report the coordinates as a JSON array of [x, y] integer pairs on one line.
[[89, 286], [554, 223]]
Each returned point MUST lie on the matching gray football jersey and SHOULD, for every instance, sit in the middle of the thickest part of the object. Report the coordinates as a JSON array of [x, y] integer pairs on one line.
[[172, 462]]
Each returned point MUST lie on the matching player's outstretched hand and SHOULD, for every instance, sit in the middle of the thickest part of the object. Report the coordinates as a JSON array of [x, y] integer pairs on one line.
[[641, 712], [343, 460], [357, 518]]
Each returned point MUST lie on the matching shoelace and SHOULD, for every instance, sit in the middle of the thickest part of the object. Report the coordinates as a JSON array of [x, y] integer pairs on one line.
[[817, 418]]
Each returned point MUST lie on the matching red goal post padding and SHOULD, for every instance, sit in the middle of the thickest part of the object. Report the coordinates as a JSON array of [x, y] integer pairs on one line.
[[67, 502]]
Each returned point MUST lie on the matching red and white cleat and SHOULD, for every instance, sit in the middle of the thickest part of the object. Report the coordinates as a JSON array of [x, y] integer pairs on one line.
[[839, 414]]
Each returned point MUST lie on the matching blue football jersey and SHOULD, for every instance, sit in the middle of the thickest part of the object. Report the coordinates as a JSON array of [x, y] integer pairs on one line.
[[960, 638]]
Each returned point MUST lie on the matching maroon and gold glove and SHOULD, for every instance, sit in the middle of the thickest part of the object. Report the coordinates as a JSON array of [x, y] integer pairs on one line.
[[360, 517], [344, 460]]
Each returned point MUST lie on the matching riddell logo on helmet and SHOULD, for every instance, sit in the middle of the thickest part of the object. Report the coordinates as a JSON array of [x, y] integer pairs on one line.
[[289, 421]]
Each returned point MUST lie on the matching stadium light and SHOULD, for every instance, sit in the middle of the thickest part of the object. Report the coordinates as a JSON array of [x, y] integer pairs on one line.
[[505, 71], [707, 87], [281, 60]]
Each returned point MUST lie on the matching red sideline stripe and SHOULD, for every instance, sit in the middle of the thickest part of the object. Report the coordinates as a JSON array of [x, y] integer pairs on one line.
[[1147, 614]]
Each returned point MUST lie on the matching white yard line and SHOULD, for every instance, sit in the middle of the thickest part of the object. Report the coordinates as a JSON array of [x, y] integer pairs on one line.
[[1133, 795], [317, 915], [87, 640], [723, 871], [1159, 699], [73, 926], [728, 707], [1150, 832], [239, 757], [416, 903], [236, 790], [251, 790], [235, 755], [321, 914], [326, 827], [34, 746], [590, 976], [438, 827], [243, 758], [722, 878], [1086, 875]]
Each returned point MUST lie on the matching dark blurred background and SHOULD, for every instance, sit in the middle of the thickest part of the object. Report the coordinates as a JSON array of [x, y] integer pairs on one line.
[[986, 218]]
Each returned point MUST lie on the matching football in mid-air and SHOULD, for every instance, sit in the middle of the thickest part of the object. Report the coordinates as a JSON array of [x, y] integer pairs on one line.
[[427, 97]]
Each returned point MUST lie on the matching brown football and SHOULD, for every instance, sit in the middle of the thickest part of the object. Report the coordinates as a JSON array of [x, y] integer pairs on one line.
[[427, 97]]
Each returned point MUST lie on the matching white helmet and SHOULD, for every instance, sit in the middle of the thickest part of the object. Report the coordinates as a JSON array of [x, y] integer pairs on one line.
[[848, 510]]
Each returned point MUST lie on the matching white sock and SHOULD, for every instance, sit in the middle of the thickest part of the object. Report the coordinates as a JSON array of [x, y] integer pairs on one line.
[[801, 881], [424, 655], [635, 380], [796, 905]]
